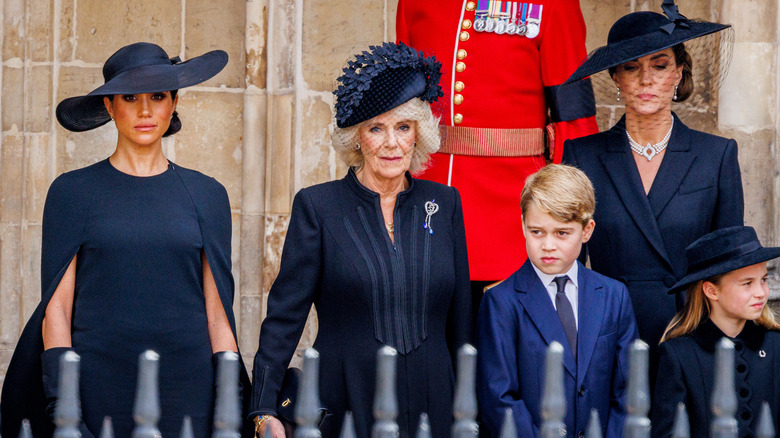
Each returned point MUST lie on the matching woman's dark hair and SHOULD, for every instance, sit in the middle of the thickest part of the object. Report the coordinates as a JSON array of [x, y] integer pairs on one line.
[[685, 87], [175, 125], [681, 57]]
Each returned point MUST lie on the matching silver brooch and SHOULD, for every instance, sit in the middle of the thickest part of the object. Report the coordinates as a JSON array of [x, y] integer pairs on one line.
[[431, 207], [761, 353]]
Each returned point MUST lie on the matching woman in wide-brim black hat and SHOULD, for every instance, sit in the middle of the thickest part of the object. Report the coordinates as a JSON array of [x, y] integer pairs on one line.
[[659, 184], [727, 293], [135, 256], [380, 254]]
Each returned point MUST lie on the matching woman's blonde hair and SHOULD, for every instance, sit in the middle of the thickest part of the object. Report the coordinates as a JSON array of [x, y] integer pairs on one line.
[[697, 309], [416, 110]]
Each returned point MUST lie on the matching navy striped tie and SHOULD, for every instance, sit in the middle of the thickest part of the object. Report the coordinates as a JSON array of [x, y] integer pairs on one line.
[[565, 312]]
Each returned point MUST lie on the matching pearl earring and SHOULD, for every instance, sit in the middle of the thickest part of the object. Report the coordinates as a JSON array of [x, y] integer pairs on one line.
[[675, 93], [618, 94]]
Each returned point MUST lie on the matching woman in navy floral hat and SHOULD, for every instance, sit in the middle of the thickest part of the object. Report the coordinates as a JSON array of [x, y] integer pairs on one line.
[[381, 255]]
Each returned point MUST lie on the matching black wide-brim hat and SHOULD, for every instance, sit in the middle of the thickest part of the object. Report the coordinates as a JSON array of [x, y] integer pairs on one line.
[[640, 34], [133, 69], [723, 251]]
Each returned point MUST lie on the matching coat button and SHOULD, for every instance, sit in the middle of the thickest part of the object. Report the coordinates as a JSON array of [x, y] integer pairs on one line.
[[466, 24], [670, 280], [462, 54], [581, 392], [458, 99], [464, 36], [460, 66], [459, 86], [458, 119], [470, 6]]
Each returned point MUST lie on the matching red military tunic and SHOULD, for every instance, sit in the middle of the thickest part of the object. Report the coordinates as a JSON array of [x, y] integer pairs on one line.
[[497, 81]]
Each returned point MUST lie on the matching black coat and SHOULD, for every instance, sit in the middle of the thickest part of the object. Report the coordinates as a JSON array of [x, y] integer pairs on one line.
[[640, 239], [368, 291], [686, 374]]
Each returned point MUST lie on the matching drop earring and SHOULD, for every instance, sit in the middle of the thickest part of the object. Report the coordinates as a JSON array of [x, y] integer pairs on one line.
[[675, 94], [618, 94]]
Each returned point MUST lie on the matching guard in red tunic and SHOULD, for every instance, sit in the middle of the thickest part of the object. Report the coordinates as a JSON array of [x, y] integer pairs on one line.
[[503, 63]]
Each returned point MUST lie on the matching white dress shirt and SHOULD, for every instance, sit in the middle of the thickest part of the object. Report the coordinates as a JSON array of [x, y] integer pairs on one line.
[[571, 289]]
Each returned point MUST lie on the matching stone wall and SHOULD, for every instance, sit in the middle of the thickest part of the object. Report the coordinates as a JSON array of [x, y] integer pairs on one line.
[[261, 127]]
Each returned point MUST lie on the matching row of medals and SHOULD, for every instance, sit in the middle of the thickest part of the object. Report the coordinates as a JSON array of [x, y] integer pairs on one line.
[[502, 26]]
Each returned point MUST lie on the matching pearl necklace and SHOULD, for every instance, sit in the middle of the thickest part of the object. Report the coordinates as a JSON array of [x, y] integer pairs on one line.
[[650, 150]]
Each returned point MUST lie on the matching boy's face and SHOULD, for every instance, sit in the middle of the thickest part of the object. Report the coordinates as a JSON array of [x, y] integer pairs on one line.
[[553, 246]]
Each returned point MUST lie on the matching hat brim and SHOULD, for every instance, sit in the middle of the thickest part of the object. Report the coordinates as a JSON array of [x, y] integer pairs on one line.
[[757, 256], [82, 113], [615, 54]]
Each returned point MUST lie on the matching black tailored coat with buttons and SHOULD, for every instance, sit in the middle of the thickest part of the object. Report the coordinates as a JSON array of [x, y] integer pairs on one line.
[[640, 239], [412, 294], [687, 365]]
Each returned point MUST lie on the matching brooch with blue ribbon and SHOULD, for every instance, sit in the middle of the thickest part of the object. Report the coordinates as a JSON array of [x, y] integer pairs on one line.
[[431, 207]]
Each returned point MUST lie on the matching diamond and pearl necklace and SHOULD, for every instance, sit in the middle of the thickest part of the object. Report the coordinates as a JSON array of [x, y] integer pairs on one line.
[[650, 150]]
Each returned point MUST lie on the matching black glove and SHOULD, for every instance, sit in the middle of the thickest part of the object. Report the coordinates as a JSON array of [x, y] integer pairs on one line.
[[50, 363]]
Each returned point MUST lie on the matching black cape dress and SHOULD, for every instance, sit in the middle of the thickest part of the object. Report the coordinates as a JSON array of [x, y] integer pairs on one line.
[[412, 294], [139, 286]]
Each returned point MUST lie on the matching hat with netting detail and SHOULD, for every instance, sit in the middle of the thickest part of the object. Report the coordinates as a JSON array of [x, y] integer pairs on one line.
[[641, 33], [133, 69], [383, 78]]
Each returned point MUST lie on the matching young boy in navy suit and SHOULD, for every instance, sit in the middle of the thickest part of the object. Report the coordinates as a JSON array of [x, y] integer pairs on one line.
[[553, 297]]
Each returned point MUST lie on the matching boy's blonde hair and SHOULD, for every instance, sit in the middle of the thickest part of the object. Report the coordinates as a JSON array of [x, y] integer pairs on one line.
[[564, 192]]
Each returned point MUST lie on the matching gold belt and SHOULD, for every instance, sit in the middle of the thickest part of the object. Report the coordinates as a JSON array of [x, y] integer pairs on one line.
[[491, 142]]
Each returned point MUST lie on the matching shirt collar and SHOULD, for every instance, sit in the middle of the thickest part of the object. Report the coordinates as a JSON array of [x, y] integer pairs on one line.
[[707, 335], [548, 278]]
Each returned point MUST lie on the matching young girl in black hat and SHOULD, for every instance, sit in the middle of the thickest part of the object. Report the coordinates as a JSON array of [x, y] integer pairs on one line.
[[135, 256], [727, 294]]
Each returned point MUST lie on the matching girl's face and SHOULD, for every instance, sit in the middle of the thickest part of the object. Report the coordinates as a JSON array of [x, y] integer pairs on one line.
[[141, 119], [739, 296], [647, 84]]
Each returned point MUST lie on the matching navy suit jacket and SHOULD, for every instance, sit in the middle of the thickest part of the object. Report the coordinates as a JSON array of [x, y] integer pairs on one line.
[[640, 239], [517, 321]]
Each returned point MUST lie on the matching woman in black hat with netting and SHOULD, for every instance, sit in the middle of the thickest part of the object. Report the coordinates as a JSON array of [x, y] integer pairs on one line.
[[726, 297], [135, 256], [659, 184], [381, 255]]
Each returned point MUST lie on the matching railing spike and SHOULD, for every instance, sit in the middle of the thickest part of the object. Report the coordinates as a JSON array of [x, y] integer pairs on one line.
[[765, 428], [682, 427], [307, 409], [553, 401], [508, 429], [424, 428], [465, 403], [107, 430], [25, 431], [227, 411], [594, 425], [67, 415], [146, 410], [385, 401], [186, 428], [348, 426], [724, 396], [637, 425]]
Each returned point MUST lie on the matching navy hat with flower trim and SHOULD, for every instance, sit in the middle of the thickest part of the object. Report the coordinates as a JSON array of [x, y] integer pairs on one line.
[[137, 68], [383, 78], [722, 251], [641, 33]]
